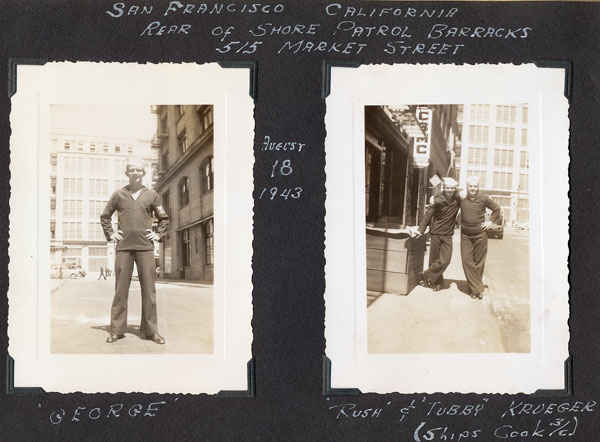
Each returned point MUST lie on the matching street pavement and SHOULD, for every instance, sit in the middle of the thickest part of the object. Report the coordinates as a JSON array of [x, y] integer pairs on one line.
[[81, 318], [507, 277], [450, 321]]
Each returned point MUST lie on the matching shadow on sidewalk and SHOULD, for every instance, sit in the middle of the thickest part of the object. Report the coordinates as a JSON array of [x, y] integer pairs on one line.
[[461, 285], [131, 329]]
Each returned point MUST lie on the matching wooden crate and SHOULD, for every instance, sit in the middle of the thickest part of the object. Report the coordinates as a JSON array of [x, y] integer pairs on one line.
[[394, 261]]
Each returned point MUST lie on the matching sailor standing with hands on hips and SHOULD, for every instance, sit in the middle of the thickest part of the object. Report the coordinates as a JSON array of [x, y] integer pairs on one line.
[[136, 206]]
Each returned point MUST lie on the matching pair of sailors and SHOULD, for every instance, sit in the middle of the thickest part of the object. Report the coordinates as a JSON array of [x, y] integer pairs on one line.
[[441, 217]]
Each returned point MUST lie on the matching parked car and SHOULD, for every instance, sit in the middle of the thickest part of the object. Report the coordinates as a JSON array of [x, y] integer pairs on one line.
[[75, 271]]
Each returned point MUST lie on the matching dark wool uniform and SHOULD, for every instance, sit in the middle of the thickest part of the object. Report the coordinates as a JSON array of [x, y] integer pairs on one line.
[[135, 222], [474, 240], [441, 218]]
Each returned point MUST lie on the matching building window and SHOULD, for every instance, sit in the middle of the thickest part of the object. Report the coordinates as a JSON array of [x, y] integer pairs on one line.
[[166, 202], [209, 245], [525, 114], [477, 156], [96, 207], [184, 192], [506, 114], [99, 187], [117, 148], [478, 134], [72, 186], [524, 160], [73, 209], [523, 137], [503, 158], [130, 149], [502, 180], [186, 249], [95, 232], [53, 185], [80, 147], [71, 230], [480, 112], [74, 166], [523, 182], [119, 165], [105, 148], [182, 142], [67, 146], [206, 175], [92, 148], [505, 136], [53, 230]]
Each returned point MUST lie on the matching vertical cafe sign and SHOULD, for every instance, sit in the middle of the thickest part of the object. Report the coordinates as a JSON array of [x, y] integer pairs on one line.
[[423, 142]]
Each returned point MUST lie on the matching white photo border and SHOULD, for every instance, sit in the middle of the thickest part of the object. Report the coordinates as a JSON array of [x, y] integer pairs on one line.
[[345, 298], [38, 87]]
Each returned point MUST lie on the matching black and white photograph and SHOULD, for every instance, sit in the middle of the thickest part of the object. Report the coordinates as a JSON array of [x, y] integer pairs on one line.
[[447, 228], [132, 230], [447, 223]]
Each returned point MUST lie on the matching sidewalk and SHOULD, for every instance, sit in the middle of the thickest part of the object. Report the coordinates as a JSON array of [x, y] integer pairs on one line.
[[81, 319], [185, 283], [448, 321], [181, 282]]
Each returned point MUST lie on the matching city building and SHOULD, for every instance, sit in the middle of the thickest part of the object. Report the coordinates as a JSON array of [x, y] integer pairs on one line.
[[495, 149], [84, 172], [405, 147], [184, 138]]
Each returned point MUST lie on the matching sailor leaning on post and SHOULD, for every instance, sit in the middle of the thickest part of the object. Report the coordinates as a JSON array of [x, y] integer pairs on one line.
[[440, 216]]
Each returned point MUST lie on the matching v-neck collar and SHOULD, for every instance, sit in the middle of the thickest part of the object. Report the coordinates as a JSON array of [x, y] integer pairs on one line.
[[139, 192]]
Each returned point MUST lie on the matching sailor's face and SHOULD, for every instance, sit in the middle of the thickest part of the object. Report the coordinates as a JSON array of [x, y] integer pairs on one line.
[[449, 191], [472, 189], [135, 174]]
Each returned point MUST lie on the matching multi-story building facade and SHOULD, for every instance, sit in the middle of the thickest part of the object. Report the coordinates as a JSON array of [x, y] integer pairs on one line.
[[84, 172], [184, 138], [495, 149]]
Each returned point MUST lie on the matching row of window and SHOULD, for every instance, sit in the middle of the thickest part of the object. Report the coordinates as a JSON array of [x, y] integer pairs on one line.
[[504, 113], [504, 135], [97, 167], [205, 181], [502, 157], [74, 231], [97, 187], [183, 142], [501, 180], [70, 146], [205, 116], [208, 232]]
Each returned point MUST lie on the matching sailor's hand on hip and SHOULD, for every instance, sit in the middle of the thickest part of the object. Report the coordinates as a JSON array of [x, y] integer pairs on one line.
[[152, 236], [117, 236]]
